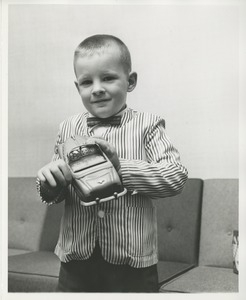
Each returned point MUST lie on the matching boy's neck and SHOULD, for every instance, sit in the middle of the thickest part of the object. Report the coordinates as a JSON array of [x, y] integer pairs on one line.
[[120, 113]]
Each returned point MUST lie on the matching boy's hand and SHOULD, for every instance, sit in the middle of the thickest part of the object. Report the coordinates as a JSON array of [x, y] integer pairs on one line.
[[108, 149], [56, 173]]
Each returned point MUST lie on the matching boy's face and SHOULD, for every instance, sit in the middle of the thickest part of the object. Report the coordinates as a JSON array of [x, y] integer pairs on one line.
[[102, 82]]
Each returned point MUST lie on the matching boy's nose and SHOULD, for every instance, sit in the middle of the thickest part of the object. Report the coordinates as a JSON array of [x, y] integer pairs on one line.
[[98, 89]]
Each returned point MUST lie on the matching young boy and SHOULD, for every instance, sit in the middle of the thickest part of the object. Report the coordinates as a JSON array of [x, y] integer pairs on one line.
[[112, 246]]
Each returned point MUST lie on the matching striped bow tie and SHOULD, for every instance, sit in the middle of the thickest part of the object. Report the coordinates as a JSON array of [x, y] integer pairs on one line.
[[93, 121]]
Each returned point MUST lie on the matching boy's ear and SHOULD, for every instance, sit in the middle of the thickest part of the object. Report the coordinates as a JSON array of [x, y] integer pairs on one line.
[[77, 85], [132, 81]]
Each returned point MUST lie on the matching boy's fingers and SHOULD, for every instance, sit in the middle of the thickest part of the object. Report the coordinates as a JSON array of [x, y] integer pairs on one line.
[[110, 151], [106, 147], [66, 172], [49, 178], [94, 139], [90, 140], [58, 175], [41, 176], [98, 137]]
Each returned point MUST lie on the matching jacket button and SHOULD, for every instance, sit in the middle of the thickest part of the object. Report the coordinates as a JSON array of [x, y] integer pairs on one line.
[[101, 214]]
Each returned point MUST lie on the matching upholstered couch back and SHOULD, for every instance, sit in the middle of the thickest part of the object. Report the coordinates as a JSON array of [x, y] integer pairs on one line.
[[32, 225], [179, 224], [219, 219]]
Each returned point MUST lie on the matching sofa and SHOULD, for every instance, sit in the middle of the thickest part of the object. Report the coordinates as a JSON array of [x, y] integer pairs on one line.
[[219, 218], [194, 232]]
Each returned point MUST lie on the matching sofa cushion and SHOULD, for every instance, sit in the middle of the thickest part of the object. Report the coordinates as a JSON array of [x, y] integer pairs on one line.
[[22, 283], [204, 280], [32, 225], [33, 272], [178, 221], [219, 219], [12, 252], [42, 263], [168, 270]]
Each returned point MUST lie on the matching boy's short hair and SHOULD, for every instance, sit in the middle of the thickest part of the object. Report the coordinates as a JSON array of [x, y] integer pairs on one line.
[[100, 41]]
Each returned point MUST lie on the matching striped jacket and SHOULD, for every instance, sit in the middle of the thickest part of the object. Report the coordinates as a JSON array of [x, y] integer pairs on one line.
[[126, 228]]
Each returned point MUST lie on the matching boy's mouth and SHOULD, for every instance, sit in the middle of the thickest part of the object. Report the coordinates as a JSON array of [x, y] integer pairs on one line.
[[100, 100]]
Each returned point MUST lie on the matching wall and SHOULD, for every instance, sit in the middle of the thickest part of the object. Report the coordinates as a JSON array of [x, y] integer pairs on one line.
[[187, 63]]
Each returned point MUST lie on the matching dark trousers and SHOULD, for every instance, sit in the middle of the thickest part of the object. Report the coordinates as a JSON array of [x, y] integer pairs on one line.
[[97, 275]]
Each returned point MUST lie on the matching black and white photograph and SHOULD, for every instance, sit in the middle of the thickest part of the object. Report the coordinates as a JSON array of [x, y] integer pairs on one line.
[[122, 157]]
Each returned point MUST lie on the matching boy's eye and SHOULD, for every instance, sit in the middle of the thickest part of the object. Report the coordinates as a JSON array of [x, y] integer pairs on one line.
[[108, 78], [86, 82]]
